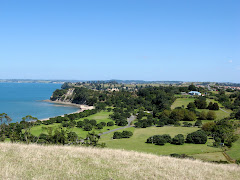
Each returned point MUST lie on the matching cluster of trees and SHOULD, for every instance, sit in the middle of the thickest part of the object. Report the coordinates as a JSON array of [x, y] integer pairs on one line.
[[222, 131], [147, 98], [69, 117], [21, 132], [166, 138], [124, 134], [197, 137], [120, 116], [201, 103], [88, 125]]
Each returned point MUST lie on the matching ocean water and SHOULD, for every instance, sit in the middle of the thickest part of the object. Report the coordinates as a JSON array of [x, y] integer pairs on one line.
[[21, 99]]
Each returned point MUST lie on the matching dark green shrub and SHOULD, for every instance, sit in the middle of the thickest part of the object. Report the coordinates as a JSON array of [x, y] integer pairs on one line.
[[117, 135], [80, 124], [126, 134], [198, 123], [110, 123], [197, 137], [99, 126], [87, 127], [93, 122], [160, 141], [178, 139]]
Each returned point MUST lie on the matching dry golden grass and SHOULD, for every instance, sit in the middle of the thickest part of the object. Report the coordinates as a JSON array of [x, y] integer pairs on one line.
[[19, 161]]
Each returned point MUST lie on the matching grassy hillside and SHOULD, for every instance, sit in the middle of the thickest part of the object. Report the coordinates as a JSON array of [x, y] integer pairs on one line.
[[58, 162], [140, 135]]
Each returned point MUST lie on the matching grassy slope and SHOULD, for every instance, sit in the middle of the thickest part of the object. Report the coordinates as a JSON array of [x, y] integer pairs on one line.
[[137, 141], [59, 162], [185, 101], [234, 152], [102, 116]]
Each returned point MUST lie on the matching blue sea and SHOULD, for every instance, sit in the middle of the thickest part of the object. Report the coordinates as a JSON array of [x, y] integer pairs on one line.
[[21, 99]]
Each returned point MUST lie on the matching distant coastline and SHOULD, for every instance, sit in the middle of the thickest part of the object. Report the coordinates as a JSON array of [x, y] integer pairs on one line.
[[82, 107]]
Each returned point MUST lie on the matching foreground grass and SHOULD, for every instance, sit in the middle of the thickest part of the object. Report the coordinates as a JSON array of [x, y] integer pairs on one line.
[[20, 161], [140, 135], [102, 116]]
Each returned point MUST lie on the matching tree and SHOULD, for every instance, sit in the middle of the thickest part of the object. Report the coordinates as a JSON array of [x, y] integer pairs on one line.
[[192, 87], [211, 115], [197, 137], [80, 124], [198, 123], [160, 141], [190, 116], [87, 127], [126, 134], [203, 115], [99, 126], [110, 123], [191, 106], [72, 137], [117, 135], [178, 139]]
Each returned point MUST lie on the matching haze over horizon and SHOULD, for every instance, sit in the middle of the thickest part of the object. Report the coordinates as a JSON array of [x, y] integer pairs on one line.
[[101, 40]]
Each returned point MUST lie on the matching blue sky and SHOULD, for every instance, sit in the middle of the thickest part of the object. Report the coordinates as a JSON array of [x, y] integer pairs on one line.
[[120, 39]]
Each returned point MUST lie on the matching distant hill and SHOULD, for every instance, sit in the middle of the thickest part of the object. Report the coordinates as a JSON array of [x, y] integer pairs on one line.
[[19, 161]]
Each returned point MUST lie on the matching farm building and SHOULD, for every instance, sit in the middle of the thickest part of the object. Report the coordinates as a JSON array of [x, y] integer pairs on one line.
[[196, 93]]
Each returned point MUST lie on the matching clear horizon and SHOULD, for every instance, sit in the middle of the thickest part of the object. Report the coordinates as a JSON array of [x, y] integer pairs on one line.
[[148, 40]]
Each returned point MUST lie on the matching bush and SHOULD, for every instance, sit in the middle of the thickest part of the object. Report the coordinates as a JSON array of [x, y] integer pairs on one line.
[[80, 124], [198, 123], [203, 115], [178, 139], [160, 141], [110, 123], [160, 124], [197, 137], [211, 115], [126, 134], [99, 126], [117, 135], [186, 124], [167, 137], [103, 123], [87, 127], [93, 122]]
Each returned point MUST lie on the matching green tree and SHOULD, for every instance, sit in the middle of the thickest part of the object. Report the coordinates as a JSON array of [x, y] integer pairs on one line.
[[211, 115], [178, 139]]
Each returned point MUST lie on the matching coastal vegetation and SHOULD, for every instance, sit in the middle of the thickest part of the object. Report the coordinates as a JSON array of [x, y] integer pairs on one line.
[[135, 120]]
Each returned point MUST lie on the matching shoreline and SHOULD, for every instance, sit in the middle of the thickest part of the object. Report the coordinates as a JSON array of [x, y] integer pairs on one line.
[[82, 107]]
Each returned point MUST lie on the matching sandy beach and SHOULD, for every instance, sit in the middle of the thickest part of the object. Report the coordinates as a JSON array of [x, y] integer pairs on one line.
[[82, 107]]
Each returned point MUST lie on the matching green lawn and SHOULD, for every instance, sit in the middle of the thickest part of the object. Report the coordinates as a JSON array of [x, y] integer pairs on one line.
[[137, 141], [102, 116], [215, 156], [179, 102], [234, 152]]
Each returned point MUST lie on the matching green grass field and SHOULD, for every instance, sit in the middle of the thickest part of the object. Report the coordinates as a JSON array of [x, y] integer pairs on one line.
[[215, 156], [102, 116], [179, 102], [234, 152], [137, 141]]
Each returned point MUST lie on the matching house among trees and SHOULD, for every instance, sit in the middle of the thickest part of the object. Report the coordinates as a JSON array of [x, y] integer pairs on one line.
[[196, 93]]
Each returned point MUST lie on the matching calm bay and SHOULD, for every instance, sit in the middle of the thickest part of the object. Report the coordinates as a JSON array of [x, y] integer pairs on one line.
[[21, 99]]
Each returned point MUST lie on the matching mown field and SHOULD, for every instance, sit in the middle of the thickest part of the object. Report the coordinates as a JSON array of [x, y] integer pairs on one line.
[[140, 135], [102, 116]]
